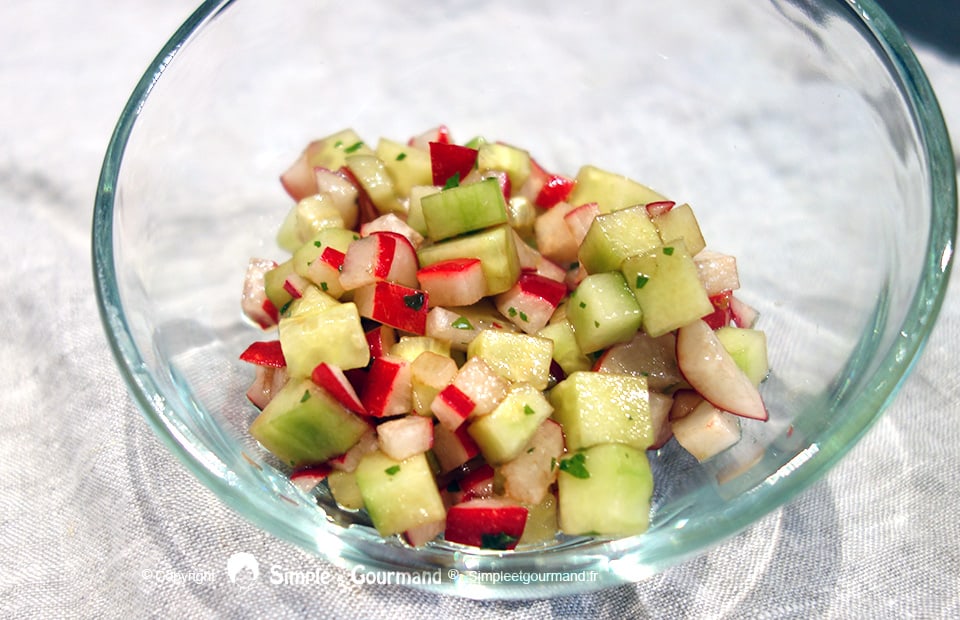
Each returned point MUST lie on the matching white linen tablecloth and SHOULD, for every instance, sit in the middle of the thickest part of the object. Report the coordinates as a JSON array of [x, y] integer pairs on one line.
[[98, 520]]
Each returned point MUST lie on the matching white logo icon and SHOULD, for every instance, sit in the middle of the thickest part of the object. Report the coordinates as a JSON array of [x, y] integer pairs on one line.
[[243, 569]]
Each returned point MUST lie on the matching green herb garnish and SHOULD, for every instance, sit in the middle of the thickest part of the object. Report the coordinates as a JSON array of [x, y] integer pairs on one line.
[[499, 541], [392, 470], [462, 323], [305, 397], [453, 181], [353, 148], [414, 301], [523, 316], [576, 466], [528, 410], [324, 287], [642, 281], [401, 156], [668, 250]]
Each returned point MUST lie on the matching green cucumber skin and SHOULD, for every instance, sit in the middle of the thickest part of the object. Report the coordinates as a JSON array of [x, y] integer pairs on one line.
[[463, 209], [334, 335], [303, 425], [615, 236]]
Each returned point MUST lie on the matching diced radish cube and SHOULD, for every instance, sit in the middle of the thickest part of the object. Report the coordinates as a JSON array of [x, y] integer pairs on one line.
[[267, 382], [528, 477], [264, 354], [477, 484], [406, 436], [299, 180], [394, 305], [452, 407], [366, 209], [430, 372], [744, 315], [381, 339], [483, 385], [554, 238], [532, 261], [342, 193], [422, 534], [348, 461], [453, 448], [382, 256], [722, 314], [388, 390], [660, 407], [307, 478], [451, 161], [439, 134], [254, 302], [684, 401], [392, 223], [556, 189], [335, 382], [487, 523], [454, 282], [706, 431], [295, 285], [530, 303], [643, 356], [578, 220], [717, 272]]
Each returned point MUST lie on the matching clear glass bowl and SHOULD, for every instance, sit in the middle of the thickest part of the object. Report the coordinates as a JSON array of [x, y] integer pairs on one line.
[[803, 132]]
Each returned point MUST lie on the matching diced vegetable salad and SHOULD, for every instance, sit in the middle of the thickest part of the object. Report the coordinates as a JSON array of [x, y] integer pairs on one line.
[[468, 346]]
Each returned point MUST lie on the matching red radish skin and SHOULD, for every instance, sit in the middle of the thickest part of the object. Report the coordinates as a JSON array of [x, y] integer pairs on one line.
[[453, 448], [452, 407], [348, 461], [712, 372], [392, 223], [307, 478], [477, 484], [579, 220], [266, 353], [659, 207], [451, 160], [722, 314], [268, 381], [530, 302], [299, 180], [367, 211], [394, 305], [486, 523], [454, 282], [381, 339], [555, 190], [388, 390], [335, 382]]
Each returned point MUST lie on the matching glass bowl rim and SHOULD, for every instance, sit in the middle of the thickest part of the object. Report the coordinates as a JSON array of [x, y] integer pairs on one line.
[[880, 388]]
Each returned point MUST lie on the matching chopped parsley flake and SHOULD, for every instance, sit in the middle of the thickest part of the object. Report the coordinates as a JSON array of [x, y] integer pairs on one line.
[[338, 144], [528, 410], [512, 311], [575, 466], [401, 156], [523, 316], [596, 323], [583, 304], [324, 287], [668, 250], [285, 307], [499, 541], [353, 148], [305, 397], [414, 301], [318, 244], [530, 450], [553, 463], [462, 323], [453, 181], [642, 281], [392, 470]]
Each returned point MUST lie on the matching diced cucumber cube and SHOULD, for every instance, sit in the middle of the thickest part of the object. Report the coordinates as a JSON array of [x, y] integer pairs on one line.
[[495, 247], [408, 166], [566, 351], [274, 280], [603, 311], [398, 495], [303, 425], [595, 408], [516, 357], [336, 238], [609, 190], [503, 433], [541, 521], [343, 486], [748, 348], [372, 174], [605, 490], [312, 300], [334, 336], [615, 236], [463, 209], [331, 152], [505, 158], [667, 287], [680, 223]]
